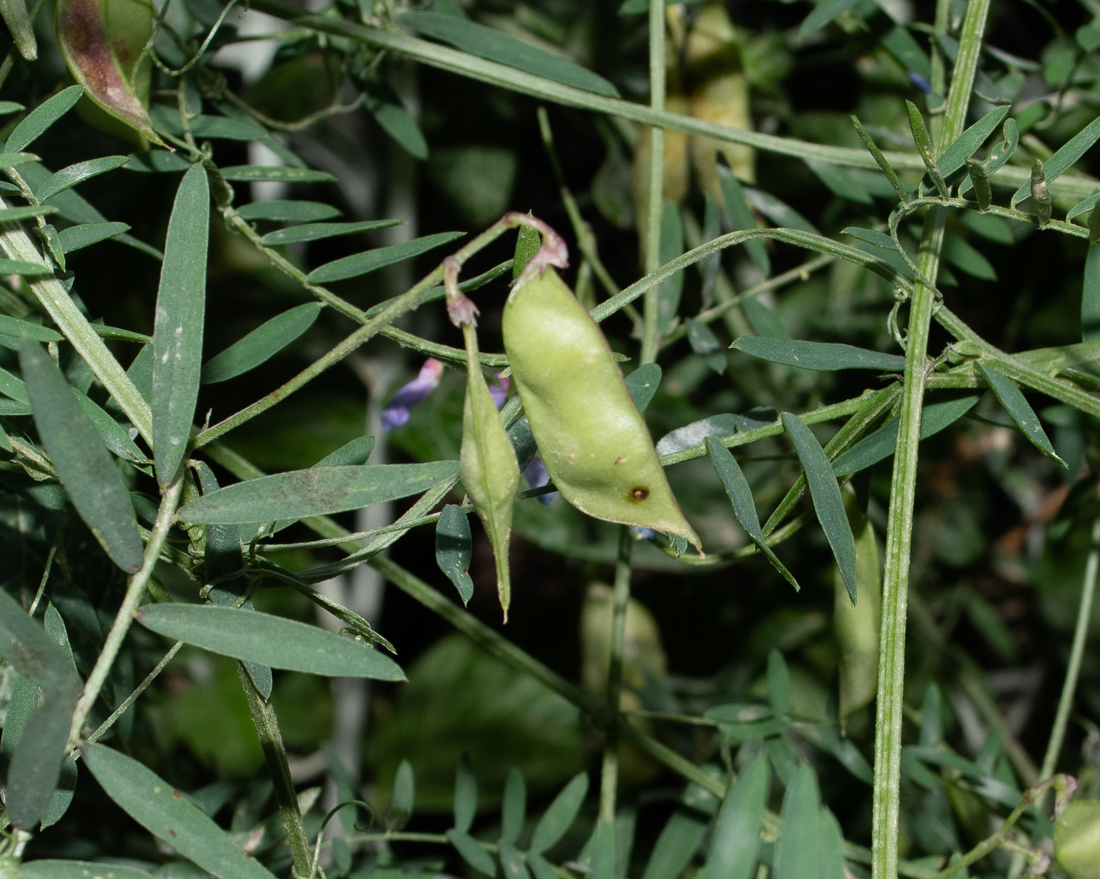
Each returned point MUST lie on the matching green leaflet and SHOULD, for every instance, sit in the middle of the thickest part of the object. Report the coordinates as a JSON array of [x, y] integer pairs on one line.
[[967, 258], [490, 472], [528, 241], [18, 267], [268, 640], [513, 807], [261, 344], [779, 683], [454, 549], [817, 355], [177, 334], [38, 120], [18, 20], [798, 851], [17, 329], [924, 147], [37, 755], [404, 796], [465, 798], [76, 209], [642, 384], [560, 814], [832, 847], [493, 45], [288, 211], [87, 234], [158, 162], [1020, 411], [880, 445], [28, 212], [954, 157], [823, 14], [881, 160], [318, 491], [166, 813], [472, 853], [740, 495], [319, 231], [398, 123], [280, 173], [704, 343], [1063, 159], [741, 218], [84, 466], [671, 289], [842, 182], [683, 832], [825, 493], [512, 862], [47, 869], [370, 260], [736, 841], [69, 177], [1090, 296]]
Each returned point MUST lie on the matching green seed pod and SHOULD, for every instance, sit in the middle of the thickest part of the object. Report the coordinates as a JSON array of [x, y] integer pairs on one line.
[[1077, 839], [489, 469], [857, 628], [590, 434]]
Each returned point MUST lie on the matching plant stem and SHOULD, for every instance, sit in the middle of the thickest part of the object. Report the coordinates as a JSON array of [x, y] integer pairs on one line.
[[271, 740], [899, 535], [134, 593], [1076, 654], [124, 706], [609, 774], [656, 171], [987, 845], [886, 806]]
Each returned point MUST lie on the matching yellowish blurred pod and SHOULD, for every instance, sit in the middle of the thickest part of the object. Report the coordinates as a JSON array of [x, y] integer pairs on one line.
[[717, 93], [643, 659], [857, 628]]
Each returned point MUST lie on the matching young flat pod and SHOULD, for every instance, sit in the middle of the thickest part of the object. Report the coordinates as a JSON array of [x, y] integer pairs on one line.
[[590, 434]]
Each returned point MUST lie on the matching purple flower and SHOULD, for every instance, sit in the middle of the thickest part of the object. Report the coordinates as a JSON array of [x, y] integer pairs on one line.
[[641, 533], [537, 476], [498, 390], [920, 82], [413, 394]]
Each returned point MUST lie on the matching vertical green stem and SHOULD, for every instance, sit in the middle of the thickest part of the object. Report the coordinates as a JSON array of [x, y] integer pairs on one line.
[[656, 174], [134, 593], [888, 723], [609, 776], [1077, 652], [271, 740]]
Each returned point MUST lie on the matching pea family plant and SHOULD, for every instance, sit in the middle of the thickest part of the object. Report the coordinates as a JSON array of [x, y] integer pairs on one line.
[[841, 259]]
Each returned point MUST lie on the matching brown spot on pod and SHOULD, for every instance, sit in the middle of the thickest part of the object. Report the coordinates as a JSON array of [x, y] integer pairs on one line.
[[639, 493]]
